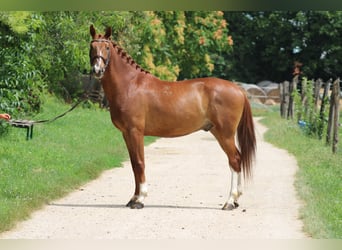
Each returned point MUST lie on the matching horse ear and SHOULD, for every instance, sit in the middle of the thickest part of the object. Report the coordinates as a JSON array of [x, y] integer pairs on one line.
[[92, 31], [108, 32]]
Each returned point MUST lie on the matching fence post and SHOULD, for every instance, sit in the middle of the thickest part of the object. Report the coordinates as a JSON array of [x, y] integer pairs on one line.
[[336, 97], [322, 110], [284, 96], [330, 118], [292, 87], [304, 97], [334, 115], [281, 87], [317, 88]]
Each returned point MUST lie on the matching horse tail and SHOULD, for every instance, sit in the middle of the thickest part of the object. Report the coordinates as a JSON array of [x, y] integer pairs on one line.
[[246, 139]]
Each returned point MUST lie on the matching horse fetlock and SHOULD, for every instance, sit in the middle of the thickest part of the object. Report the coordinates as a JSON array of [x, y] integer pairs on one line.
[[143, 189], [141, 198], [236, 195]]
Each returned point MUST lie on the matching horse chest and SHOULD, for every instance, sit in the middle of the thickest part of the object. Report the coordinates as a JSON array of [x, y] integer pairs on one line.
[[127, 116]]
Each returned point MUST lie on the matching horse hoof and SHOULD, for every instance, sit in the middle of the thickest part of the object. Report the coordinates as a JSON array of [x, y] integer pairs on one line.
[[228, 206], [130, 203], [137, 205]]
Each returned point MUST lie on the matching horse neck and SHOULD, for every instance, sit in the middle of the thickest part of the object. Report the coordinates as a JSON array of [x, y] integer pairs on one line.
[[118, 75]]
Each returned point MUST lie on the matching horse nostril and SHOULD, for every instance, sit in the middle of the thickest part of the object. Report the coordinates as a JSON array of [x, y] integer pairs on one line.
[[96, 69]]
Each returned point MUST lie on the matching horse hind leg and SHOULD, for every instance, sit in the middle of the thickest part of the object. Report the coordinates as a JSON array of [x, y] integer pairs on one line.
[[228, 145], [235, 180], [235, 191]]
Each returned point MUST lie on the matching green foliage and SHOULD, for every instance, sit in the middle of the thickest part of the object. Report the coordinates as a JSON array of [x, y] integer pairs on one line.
[[262, 45], [307, 113], [17, 21], [184, 44], [20, 81], [320, 49], [206, 43], [266, 44], [157, 54], [59, 52]]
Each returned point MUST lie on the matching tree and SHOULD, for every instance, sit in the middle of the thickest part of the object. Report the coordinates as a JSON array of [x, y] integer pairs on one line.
[[321, 48], [266, 44], [182, 44], [20, 81], [60, 51], [206, 44]]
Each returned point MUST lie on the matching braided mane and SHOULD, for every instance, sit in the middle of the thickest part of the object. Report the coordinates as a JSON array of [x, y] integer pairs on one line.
[[129, 60]]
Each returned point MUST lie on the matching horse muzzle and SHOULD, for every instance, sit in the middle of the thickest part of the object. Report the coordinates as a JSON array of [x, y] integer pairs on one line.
[[97, 71]]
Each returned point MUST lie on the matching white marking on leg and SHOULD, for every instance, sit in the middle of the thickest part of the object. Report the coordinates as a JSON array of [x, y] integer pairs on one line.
[[142, 193], [239, 185], [134, 197], [235, 187]]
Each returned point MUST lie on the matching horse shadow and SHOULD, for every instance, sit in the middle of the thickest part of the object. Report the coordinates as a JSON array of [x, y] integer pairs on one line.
[[124, 206]]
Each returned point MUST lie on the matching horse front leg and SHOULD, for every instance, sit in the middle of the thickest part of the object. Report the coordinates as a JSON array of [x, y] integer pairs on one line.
[[135, 144]]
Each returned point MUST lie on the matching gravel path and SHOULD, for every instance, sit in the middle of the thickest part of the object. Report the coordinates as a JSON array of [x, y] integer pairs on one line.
[[188, 181]]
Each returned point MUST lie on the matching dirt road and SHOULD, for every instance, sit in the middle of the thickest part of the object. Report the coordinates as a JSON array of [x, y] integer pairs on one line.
[[188, 181]]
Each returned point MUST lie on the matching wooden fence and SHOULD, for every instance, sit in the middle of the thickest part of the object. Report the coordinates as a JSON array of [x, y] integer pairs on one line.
[[321, 97]]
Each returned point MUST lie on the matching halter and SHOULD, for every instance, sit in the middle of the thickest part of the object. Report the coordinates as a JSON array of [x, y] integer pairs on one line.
[[106, 61]]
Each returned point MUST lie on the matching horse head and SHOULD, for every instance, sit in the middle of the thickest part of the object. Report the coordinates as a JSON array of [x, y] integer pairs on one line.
[[99, 51]]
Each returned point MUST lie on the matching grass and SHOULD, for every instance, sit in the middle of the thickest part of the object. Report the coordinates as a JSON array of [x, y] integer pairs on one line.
[[61, 156], [319, 178]]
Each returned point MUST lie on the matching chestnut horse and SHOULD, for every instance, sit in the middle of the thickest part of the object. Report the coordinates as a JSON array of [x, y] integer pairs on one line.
[[141, 104]]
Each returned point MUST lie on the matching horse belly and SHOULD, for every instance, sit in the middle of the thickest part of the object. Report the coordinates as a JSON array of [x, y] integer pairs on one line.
[[172, 128], [176, 120]]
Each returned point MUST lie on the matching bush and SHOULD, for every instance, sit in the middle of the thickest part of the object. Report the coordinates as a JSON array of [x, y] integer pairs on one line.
[[20, 82], [308, 115]]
